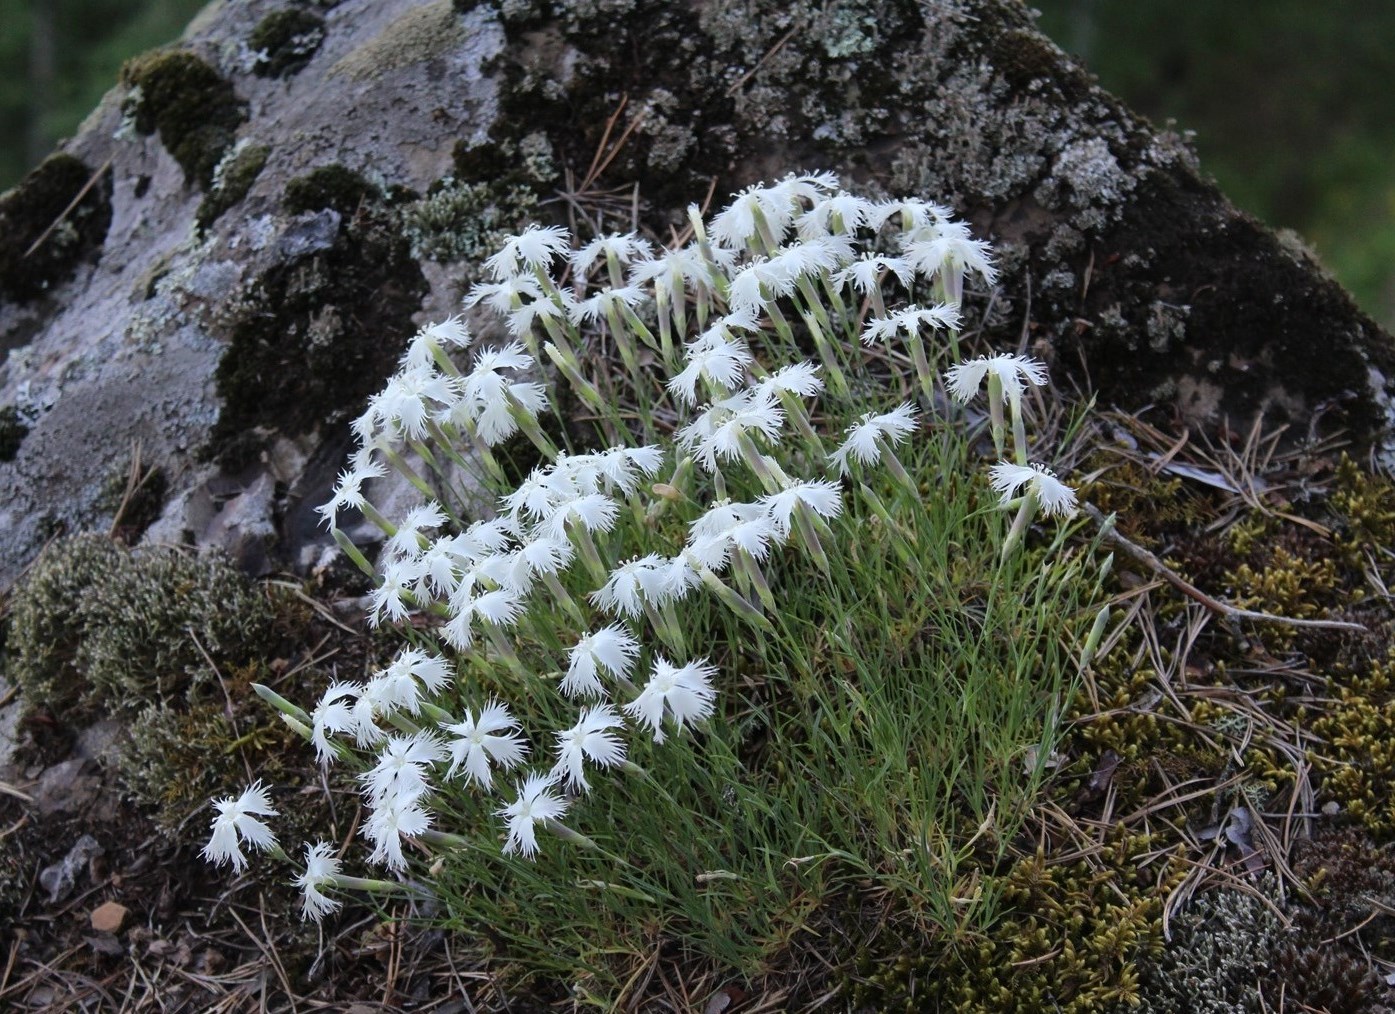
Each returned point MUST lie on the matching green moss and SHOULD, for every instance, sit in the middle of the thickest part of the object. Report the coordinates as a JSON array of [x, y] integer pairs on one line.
[[330, 186], [1070, 940], [465, 221], [285, 41], [37, 206], [12, 432], [97, 628], [232, 178], [195, 110], [305, 345]]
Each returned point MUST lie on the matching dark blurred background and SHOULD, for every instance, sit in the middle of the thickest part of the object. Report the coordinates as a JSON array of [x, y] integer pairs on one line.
[[1292, 101]]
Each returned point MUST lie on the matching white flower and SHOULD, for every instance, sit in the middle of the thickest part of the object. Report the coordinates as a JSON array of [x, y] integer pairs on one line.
[[910, 319], [595, 512], [605, 302], [235, 819], [331, 715], [388, 823], [505, 296], [863, 436], [1013, 372], [822, 497], [590, 739], [801, 379], [744, 526], [399, 689], [401, 769], [1054, 496], [846, 211], [611, 648], [865, 273], [619, 465], [687, 693], [718, 431], [631, 584], [536, 802], [624, 248], [480, 742], [321, 869], [406, 401], [949, 252], [534, 249], [427, 344], [406, 541], [713, 359]]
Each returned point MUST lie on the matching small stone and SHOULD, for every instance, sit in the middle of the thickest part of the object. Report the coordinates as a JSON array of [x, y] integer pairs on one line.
[[109, 917]]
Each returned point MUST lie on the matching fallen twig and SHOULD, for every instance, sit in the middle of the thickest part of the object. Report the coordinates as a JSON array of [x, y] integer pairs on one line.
[[1224, 609]]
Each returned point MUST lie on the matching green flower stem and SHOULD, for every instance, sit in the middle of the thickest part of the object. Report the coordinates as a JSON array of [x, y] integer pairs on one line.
[[1020, 523], [348, 548], [435, 713], [566, 363], [837, 382], [371, 513], [581, 538], [810, 536], [667, 633], [1019, 431], [922, 366], [747, 565], [409, 473], [564, 598], [567, 834], [282, 705], [445, 839], [495, 635], [897, 470], [995, 412], [347, 883], [529, 425], [738, 605], [1092, 641], [771, 475]]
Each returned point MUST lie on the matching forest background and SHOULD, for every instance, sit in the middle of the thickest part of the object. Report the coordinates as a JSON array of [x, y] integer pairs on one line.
[[1290, 100]]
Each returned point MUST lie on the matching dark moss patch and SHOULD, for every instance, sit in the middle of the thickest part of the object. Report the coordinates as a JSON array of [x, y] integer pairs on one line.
[[1254, 311], [35, 207], [285, 40], [330, 186], [195, 110], [233, 178], [1026, 58], [135, 502], [314, 338], [12, 432]]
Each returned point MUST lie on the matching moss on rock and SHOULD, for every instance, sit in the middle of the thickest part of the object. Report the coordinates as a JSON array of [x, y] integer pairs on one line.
[[466, 222], [232, 178], [330, 186], [194, 109], [306, 344], [100, 629], [38, 207], [285, 41], [12, 433]]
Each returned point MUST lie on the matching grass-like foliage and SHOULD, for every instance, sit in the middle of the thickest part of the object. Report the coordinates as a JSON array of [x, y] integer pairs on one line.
[[760, 638]]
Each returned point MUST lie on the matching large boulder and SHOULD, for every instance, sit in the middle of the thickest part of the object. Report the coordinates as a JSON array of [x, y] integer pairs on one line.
[[223, 263]]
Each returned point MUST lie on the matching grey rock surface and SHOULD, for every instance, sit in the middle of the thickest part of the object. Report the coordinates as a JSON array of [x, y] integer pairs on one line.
[[231, 325]]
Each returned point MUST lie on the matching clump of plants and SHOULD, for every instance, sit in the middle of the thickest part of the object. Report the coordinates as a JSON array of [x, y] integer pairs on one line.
[[99, 629], [758, 630]]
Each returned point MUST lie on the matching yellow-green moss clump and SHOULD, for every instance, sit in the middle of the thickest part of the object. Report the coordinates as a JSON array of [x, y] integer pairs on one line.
[[34, 209], [96, 628], [195, 109], [1355, 753], [1070, 940]]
